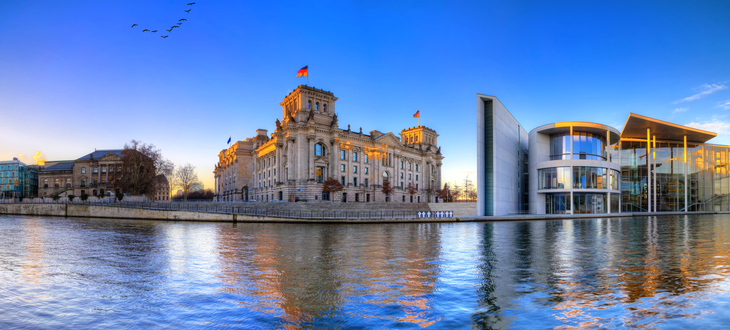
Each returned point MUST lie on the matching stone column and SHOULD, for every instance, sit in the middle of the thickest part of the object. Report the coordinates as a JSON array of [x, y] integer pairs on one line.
[[335, 160], [310, 157], [289, 159], [277, 177], [301, 157]]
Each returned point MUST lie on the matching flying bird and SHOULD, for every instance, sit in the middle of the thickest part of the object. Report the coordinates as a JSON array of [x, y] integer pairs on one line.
[[179, 23], [192, 3], [170, 30], [154, 31], [145, 30], [182, 20], [164, 36], [174, 26], [188, 11], [133, 25]]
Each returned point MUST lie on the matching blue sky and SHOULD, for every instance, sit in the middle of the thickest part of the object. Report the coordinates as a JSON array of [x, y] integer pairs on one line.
[[75, 76]]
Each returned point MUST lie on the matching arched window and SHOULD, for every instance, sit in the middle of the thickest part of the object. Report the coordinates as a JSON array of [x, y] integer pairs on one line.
[[57, 183], [316, 106], [319, 150], [83, 182], [68, 183], [309, 104], [45, 183], [385, 176], [324, 107]]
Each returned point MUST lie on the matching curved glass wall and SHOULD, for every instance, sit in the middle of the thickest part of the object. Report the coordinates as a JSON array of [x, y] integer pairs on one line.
[[585, 146], [589, 203], [557, 203], [554, 178], [580, 177]]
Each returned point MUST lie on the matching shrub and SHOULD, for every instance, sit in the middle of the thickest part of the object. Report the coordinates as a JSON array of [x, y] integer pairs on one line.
[[20, 198], [84, 197], [71, 198], [120, 197], [55, 197]]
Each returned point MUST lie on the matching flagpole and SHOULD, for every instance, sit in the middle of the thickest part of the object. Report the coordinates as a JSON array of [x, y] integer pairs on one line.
[[419, 117], [307, 74]]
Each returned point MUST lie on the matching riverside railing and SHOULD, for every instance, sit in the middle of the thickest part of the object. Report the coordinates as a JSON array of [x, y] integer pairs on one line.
[[265, 211]]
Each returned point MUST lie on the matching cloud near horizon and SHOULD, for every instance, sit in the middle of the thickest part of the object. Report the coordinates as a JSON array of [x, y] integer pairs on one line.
[[715, 125], [707, 89]]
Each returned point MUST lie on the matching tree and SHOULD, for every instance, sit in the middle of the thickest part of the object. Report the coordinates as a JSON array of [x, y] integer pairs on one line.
[[411, 188], [387, 189], [206, 194], [84, 196], [469, 193], [455, 193], [444, 194], [186, 178], [139, 168], [71, 198], [169, 174], [331, 185]]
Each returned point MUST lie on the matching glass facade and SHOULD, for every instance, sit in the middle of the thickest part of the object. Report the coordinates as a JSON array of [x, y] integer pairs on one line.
[[589, 203], [708, 183], [585, 146], [557, 203], [17, 179], [554, 178]]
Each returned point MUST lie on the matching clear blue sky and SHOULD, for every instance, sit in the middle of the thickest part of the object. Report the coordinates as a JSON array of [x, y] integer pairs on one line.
[[75, 76]]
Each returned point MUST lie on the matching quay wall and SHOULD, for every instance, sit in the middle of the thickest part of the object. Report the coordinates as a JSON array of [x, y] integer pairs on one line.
[[101, 211]]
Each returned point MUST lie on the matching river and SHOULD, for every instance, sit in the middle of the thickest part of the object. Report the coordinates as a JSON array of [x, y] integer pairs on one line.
[[656, 272]]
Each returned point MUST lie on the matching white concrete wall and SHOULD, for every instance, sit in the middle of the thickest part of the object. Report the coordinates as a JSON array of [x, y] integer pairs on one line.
[[508, 134], [539, 152]]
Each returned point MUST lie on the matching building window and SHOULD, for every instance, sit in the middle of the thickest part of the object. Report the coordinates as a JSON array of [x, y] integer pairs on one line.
[[404, 198], [401, 164], [83, 170], [342, 180], [354, 156], [68, 183], [324, 107], [409, 166], [96, 170], [316, 106], [83, 183], [319, 150], [119, 169], [409, 176], [45, 183], [342, 168], [103, 169], [354, 182], [366, 170], [401, 175], [354, 169], [320, 174], [365, 158], [366, 182], [56, 183], [416, 167], [309, 104], [416, 177], [342, 154]]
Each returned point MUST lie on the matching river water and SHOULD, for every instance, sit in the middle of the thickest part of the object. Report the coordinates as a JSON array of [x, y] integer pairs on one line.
[[658, 272]]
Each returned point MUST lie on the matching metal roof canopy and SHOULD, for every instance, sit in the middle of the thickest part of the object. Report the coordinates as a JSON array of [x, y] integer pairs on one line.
[[636, 125]]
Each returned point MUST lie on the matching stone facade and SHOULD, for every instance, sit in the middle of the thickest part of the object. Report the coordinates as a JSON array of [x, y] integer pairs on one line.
[[90, 174], [162, 189], [308, 146]]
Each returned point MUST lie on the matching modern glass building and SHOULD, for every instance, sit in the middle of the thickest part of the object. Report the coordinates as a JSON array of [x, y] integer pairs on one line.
[[583, 167], [18, 179]]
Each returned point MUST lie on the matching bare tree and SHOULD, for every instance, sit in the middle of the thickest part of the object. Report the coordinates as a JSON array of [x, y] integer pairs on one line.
[[169, 173], [331, 185], [387, 189], [141, 164], [185, 178], [468, 189]]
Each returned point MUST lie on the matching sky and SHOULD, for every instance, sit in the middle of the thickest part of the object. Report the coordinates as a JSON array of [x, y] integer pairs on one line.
[[75, 76]]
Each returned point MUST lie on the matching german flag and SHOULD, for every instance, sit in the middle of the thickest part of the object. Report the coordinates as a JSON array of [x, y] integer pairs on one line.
[[303, 72], [417, 114]]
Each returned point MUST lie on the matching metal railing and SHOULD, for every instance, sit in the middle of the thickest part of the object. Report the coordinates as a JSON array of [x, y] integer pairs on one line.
[[221, 208]]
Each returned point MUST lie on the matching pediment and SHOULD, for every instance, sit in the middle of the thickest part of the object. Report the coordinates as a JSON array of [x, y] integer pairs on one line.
[[389, 139], [110, 157]]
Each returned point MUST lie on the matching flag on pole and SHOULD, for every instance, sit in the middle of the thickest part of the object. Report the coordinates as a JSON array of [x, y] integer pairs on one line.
[[417, 114], [229, 140], [304, 72]]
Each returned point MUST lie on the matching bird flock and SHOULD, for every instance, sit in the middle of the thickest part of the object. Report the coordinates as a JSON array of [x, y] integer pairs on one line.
[[179, 23]]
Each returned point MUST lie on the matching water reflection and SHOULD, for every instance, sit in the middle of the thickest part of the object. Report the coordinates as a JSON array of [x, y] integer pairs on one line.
[[618, 272]]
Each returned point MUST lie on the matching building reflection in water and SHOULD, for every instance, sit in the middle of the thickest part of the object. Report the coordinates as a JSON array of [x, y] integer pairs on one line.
[[320, 275], [599, 272]]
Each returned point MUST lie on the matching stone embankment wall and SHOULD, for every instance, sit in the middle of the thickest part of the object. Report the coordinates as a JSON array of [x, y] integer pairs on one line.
[[460, 209], [100, 211]]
